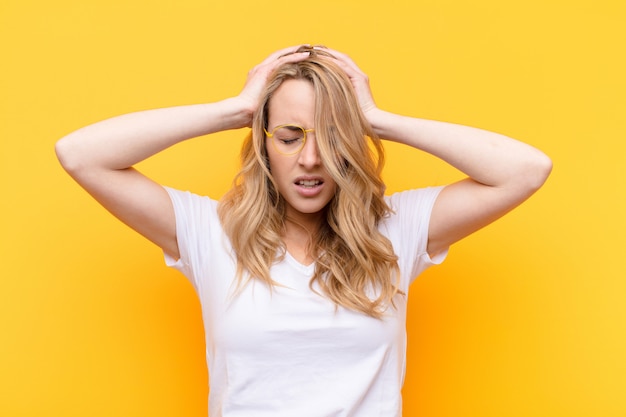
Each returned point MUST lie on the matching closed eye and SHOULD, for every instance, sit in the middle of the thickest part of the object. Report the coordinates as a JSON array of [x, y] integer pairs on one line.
[[290, 141]]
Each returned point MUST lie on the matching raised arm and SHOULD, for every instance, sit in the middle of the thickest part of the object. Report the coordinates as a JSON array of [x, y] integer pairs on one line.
[[502, 172], [100, 156]]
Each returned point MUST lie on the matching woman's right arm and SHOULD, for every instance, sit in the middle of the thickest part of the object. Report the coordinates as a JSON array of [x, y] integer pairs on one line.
[[100, 156]]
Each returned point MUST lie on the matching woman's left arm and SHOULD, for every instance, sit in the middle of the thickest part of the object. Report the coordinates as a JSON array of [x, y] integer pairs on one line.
[[502, 172]]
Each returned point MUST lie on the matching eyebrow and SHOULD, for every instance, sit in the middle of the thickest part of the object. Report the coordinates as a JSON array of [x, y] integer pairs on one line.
[[292, 126]]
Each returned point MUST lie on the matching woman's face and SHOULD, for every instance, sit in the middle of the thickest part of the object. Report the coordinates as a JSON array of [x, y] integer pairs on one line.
[[301, 178]]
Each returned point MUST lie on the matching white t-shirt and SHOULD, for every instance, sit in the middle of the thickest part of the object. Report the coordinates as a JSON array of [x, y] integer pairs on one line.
[[289, 351]]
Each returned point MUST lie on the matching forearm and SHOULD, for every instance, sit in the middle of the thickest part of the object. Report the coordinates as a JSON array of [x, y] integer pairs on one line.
[[486, 157], [122, 141]]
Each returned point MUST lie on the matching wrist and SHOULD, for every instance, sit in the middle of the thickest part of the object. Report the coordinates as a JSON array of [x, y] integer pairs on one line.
[[377, 120], [236, 112]]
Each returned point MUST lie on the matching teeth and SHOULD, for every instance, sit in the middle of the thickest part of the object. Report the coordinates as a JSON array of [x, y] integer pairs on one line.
[[308, 183]]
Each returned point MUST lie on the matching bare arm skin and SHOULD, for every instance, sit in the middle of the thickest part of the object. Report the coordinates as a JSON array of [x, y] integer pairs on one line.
[[100, 156], [502, 172]]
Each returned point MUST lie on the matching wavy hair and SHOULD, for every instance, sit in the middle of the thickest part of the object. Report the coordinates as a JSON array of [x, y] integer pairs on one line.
[[356, 266]]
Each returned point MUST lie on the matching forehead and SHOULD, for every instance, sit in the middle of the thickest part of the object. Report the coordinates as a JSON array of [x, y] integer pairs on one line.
[[292, 102]]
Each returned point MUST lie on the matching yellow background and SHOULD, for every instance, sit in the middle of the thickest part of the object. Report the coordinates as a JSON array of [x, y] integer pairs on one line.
[[525, 318]]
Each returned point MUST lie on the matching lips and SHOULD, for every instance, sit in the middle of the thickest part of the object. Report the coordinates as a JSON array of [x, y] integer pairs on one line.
[[309, 186]]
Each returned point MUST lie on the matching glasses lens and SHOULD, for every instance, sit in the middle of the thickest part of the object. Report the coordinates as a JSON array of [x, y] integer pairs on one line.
[[289, 139]]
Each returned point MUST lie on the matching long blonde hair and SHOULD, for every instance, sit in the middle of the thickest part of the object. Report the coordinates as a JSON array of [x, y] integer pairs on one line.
[[356, 266]]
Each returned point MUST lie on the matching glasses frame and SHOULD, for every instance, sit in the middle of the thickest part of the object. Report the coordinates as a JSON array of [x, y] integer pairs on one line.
[[271, 136]]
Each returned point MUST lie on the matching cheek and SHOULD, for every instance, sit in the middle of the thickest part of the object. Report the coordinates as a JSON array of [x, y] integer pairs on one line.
[[274, 162]]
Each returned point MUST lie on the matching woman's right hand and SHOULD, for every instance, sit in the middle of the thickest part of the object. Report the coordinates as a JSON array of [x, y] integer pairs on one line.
[[100, 157], [257, 77]]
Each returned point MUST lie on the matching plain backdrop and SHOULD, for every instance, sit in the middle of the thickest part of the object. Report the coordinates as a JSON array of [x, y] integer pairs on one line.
[[525, 318]]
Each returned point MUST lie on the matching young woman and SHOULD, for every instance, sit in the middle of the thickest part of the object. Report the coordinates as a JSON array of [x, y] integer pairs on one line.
[[303, 267]]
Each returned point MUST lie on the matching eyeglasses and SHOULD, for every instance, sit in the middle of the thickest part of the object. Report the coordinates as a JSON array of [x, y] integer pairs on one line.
[[288, 139]]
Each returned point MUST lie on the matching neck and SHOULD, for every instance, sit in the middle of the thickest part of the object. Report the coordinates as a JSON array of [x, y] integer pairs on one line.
[[309, 222]]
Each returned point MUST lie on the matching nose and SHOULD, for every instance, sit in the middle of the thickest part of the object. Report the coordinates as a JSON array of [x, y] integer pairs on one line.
[[309, 156]]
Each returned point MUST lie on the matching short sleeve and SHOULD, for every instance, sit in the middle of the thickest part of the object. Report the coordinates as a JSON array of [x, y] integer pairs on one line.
[[194, 216], [407, 228]]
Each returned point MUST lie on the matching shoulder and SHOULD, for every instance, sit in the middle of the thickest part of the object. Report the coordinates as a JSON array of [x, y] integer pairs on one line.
[[410, 212], [417, 200], [188, 200], [196, 214], [407, 227]]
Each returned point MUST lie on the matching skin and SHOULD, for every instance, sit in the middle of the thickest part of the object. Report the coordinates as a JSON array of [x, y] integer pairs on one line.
[[294, 102], [501, 172], [100, 156]]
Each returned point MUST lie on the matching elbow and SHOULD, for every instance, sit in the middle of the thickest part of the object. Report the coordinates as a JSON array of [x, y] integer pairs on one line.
[[544, 168], [67, 155], [537, 171], [62, 152]]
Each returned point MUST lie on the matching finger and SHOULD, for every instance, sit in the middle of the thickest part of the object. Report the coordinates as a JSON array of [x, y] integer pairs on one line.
[[258, 75], [350, 71], [281, 53], [280, 57], [343, 59]]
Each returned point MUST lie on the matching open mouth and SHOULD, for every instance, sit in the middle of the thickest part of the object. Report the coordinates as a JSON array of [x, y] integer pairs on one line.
[[309, 183]]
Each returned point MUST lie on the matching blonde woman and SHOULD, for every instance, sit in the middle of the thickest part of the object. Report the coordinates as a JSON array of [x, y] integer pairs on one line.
[[303, 267]]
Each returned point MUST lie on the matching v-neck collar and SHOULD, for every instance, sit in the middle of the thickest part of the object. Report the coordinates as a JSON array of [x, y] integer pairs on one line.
[[306, 269]]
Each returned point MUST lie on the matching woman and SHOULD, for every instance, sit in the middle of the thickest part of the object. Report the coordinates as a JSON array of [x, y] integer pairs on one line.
[[302, 269]]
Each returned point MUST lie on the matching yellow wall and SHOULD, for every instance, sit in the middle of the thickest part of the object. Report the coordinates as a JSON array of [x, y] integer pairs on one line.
[[525, 318]]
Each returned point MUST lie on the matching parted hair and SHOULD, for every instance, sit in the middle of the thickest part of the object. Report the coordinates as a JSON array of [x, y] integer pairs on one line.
[[356, 266]]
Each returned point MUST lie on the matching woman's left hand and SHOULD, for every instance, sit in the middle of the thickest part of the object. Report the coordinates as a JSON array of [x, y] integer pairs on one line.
[[358, 78]]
